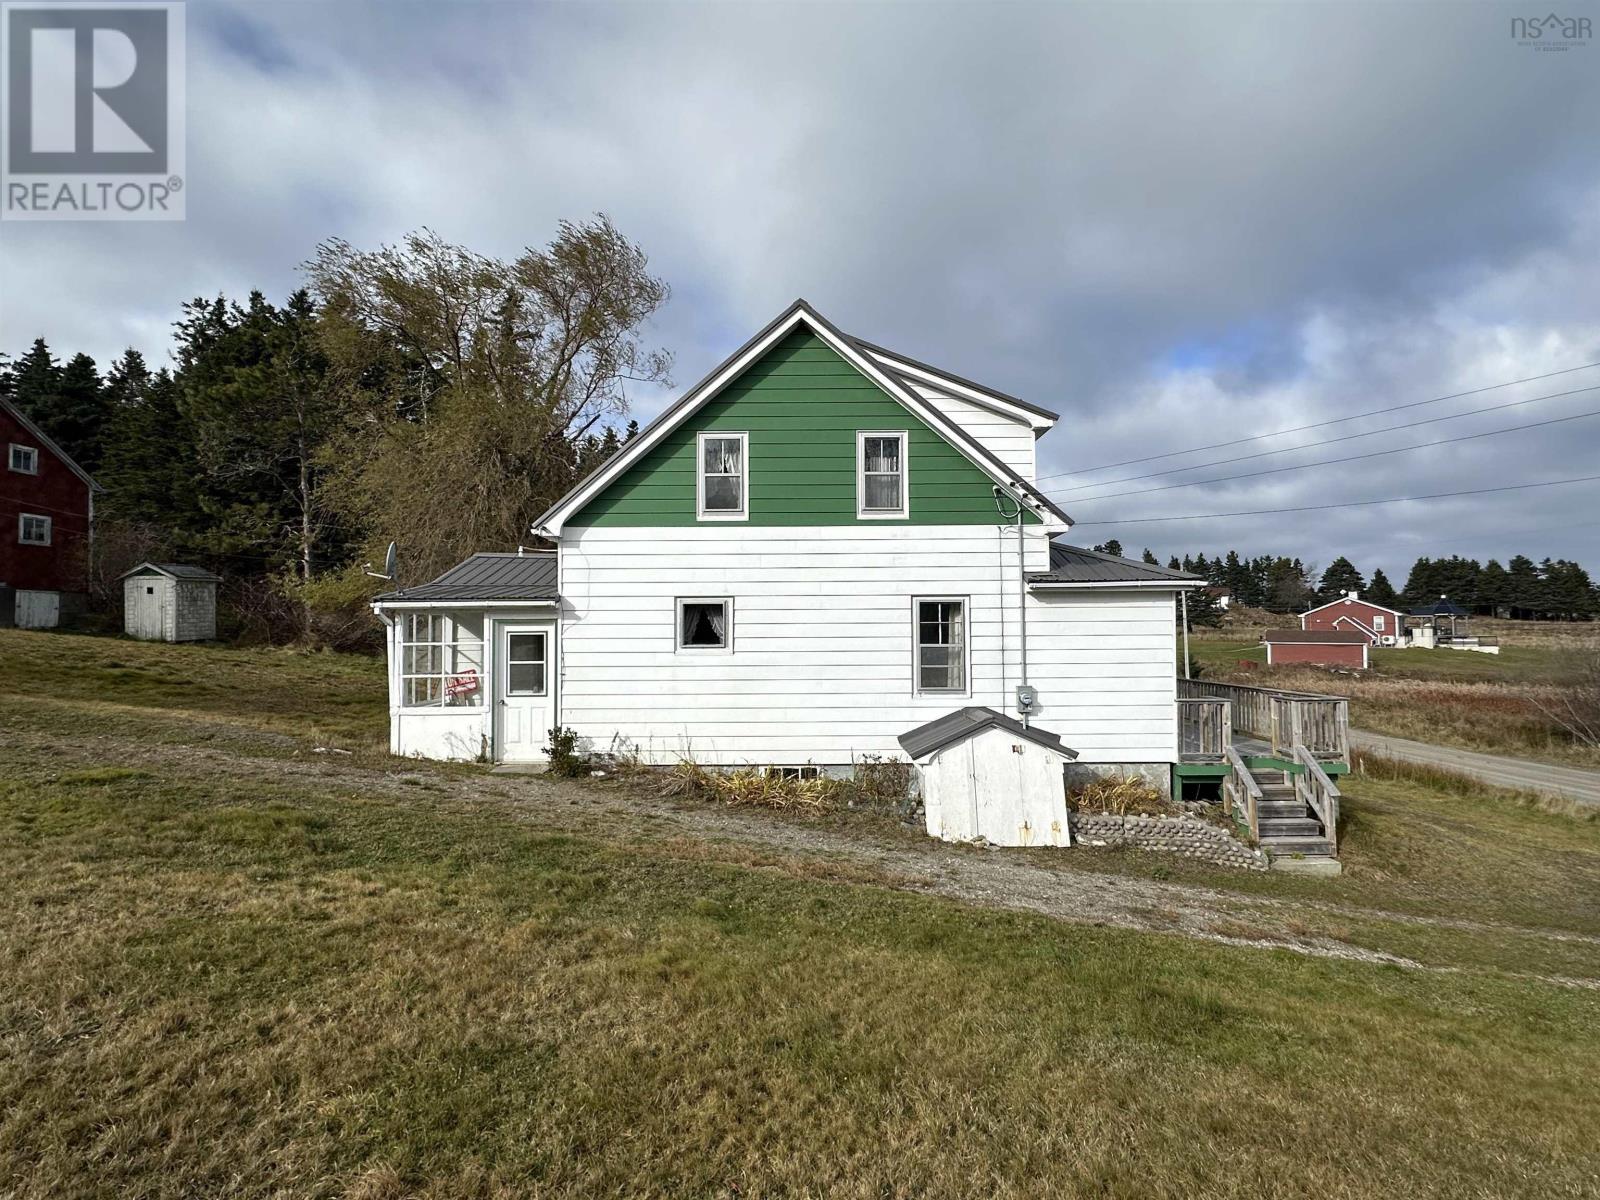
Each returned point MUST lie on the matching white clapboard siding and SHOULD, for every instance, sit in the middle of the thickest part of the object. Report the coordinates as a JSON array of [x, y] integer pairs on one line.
[[1008, 439], [823, 644]]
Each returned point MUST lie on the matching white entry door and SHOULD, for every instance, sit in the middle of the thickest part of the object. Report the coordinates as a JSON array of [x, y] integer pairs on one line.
[[524, 687]]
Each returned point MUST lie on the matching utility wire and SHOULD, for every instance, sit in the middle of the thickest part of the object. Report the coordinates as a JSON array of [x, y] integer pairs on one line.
[[1349, 437], [1266, 512], [1128, 462], [1349, 458]]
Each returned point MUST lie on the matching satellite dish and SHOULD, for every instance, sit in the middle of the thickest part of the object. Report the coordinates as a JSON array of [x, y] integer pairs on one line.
[[389, 566]]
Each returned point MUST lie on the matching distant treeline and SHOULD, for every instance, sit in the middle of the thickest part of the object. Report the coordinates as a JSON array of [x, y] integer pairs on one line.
[[421, 393], [1553, 589]]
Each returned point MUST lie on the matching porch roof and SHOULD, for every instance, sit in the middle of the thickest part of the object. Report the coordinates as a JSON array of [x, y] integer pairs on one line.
[[486, 578]]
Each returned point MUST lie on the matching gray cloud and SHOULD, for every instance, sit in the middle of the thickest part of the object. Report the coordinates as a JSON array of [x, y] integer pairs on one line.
[[1173, 223]]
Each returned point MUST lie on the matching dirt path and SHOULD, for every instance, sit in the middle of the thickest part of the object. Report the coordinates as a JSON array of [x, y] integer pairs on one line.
[[876, 852], [1517, 774]]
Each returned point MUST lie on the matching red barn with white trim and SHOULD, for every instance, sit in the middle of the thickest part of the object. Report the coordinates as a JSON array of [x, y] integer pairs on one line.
[[1354, 615], [46, 516]]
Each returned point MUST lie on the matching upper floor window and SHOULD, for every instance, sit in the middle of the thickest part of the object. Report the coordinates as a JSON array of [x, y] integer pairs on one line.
[[24, 459], [881, 474], [723, 480], [33, 530]]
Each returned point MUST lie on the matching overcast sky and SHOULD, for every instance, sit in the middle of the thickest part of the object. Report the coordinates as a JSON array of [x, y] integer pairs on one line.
[[1177, 225]]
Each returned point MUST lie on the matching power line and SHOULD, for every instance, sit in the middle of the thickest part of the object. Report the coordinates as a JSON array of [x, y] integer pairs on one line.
[[1266, 512], [1349, 437], [1128, 462], [1349, 458]]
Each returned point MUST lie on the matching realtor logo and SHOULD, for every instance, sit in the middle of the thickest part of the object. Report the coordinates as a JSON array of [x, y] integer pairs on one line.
[[94, 111]]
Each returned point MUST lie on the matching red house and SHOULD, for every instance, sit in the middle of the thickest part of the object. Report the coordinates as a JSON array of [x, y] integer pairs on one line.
[[1381, 626], [46, 522], [1317, 647]]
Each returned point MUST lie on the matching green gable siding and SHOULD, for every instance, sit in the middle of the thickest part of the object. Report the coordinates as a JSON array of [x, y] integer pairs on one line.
[[802, 405]]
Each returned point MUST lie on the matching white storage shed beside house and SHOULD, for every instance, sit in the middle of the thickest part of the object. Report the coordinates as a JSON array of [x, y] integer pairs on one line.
[[985, 775], [170, 602]]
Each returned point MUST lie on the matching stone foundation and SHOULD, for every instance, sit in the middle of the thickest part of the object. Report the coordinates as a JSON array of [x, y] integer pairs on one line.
[[1187, 836]]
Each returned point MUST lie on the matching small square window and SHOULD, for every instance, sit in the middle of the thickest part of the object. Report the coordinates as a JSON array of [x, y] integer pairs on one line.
[[723, 476], [881, 477], [941, 638], [33, 530], [24, 459], [149, 591], [705, 624], [525, 664]]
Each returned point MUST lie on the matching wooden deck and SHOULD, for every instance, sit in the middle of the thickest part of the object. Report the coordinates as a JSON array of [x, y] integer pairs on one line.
[[1276, 755]]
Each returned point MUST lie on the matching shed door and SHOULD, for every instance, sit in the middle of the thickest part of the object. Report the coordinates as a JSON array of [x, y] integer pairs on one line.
[[38, 610], [524, 687]]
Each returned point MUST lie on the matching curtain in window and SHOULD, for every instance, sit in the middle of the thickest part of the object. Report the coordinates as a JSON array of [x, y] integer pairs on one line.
[[880, 462], [717, 615]]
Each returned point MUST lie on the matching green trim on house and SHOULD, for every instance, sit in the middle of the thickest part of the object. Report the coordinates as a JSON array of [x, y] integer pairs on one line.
[[801, 405], [1201, 770]]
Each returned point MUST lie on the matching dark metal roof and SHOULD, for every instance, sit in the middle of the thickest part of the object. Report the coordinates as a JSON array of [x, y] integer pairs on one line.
[[1028, 406], [488, 577], [1441, 608], [175, 571], [1074, 564], [1321, 637], [963, 723]]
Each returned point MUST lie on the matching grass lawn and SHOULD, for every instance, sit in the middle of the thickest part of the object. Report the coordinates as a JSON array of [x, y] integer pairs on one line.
[[236, 980]]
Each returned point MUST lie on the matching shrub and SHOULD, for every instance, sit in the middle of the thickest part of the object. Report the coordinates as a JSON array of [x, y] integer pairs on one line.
[[565, 760], [1120, 796], [883, 784], [752, 787]]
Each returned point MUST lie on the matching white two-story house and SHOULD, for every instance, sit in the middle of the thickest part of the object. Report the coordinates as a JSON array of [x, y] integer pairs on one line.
[[820, 546]]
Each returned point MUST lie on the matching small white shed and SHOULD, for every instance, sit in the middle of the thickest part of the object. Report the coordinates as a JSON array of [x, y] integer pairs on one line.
[[170, 602], [985, 775]]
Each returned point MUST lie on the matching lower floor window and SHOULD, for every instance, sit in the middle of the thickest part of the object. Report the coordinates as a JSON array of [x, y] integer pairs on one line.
[[806, 772], [941, 645], [33, 529], [705, 624], [441, 660]]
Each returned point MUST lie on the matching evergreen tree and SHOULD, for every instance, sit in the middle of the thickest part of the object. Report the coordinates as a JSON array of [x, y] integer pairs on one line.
[[1340, 577], [1111, 546], [151, 471], [1204, 609], [1523, 587], [35, 381], [1381, 591], [1174, 565], [1150, 558], [1494, 588]]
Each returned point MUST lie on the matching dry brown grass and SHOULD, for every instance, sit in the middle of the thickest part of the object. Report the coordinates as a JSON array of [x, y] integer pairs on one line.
[[1121, 796]]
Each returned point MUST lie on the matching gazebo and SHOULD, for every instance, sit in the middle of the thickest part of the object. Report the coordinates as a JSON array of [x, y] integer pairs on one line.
[[1432, 632]]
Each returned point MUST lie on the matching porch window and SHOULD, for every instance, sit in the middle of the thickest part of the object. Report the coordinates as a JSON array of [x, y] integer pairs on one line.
[[24, 459], [724, 476], [441, 661], [33, 529], [881, 474], [705, 624], [941, 635]]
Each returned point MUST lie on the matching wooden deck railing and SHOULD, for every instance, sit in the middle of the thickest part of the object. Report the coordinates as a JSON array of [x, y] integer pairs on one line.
[[1241, 795], [1205, 729], [1283, 719]]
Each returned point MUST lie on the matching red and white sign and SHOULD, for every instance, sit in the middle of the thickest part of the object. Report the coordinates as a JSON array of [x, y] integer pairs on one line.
[[463, 684]]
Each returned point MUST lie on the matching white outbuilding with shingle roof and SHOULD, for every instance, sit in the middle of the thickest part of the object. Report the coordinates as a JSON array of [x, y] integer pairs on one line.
[[170, 602]]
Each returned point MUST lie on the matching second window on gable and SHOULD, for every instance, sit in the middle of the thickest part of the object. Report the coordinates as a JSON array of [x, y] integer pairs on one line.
[[881, 473], [724, 476]]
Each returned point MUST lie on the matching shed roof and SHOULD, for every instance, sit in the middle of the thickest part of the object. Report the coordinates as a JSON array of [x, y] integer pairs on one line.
[[1323, 637], [1440, 608], [486, 577], [964, 722], [175, 571], [1074, 564]]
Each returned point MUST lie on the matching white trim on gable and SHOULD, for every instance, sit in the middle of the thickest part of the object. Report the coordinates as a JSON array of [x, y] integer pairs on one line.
[[982, 397], [551, 522], [1394, 612]]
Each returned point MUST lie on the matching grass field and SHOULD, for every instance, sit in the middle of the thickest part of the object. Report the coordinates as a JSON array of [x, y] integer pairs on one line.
[[230, 966], [1490, 702]]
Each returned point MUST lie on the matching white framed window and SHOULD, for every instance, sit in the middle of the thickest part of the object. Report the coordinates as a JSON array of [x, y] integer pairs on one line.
[[883, 476], [527, 664], [441, 660], [939, 630], [705, 624], [793, 773], [1377, 622], [33, 529], [24, 459], [722, 476]]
